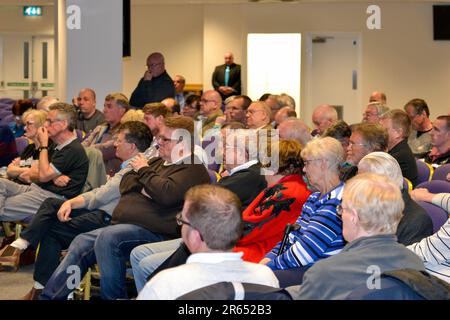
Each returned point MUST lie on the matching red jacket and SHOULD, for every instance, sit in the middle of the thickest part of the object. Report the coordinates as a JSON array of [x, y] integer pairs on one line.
[[266, 217]]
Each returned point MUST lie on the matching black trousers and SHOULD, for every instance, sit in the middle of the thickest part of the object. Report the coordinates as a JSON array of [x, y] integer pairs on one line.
[[53, 235]]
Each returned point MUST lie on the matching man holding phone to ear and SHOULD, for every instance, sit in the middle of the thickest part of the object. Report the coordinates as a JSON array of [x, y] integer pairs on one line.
[[155, 85]]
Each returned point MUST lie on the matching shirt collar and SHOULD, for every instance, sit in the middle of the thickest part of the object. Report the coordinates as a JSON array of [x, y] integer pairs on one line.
[[65, 143], [214, 257], [243, 166]]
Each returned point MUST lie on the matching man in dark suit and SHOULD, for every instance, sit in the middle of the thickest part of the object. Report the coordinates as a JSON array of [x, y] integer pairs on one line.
[[226, 78]]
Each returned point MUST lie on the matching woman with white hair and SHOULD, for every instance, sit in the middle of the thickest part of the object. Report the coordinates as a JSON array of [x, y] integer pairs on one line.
[[24, 168], [371, 209], [415, 224], [320, 227]]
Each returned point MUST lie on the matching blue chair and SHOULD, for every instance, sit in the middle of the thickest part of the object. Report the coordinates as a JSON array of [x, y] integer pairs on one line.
[[425, 171], [441, 172], [21, 144], [435, 186]]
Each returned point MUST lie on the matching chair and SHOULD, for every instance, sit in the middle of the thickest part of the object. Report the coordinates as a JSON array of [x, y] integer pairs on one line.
[[214, 177], [407, 184], [425, 171], [438, 215], [21, 144], [97, 172], [435, 186], [237, 291], [441, 172]]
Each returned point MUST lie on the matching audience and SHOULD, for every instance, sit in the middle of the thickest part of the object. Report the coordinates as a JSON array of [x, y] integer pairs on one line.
[[258, 116], [191, 107], [420, 138], [154, 191], [373, 112], [155, 85], [61, 175], [59, 221], [371, 210], [102, 137], [211, 224], [415, 223], [398, 126], [435, 249], [323, 117], [294, 129], [440, 140], [24, 169], [88, 117], [283, 114], [320, 228]]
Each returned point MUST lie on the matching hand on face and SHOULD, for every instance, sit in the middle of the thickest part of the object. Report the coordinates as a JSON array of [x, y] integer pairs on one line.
[[42, 136]]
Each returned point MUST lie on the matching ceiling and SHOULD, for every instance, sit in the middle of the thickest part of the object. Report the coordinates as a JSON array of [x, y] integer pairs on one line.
[[142, 2]]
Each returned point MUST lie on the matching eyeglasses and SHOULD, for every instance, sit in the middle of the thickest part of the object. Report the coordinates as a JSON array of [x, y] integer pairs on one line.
[[340, 209], [162, 139], [351, 143], [206, 101], [180, 222], [253, 111], [306, 162], [152, 65]]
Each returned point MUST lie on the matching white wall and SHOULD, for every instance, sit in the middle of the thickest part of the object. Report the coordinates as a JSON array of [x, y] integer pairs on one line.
[[401, 59]]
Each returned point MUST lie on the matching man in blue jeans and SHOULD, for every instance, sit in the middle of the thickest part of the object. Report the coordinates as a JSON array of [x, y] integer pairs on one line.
[[151, 196]]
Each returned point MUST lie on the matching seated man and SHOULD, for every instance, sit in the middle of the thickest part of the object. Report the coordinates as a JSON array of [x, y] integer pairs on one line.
[[323, 117], [420, 138], [398, 126], [211, 224], [440, 139], [61, 176], [373, 112], [415, 224], [102, 137], [57, 221], [151, 196], [89, 117], [371, 208]]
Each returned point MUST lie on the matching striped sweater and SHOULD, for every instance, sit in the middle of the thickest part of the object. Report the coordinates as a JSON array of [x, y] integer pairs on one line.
[[319, 235], [435, 249]]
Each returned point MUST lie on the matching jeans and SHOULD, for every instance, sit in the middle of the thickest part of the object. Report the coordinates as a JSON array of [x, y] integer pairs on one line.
[[110, 248], [147, 257]]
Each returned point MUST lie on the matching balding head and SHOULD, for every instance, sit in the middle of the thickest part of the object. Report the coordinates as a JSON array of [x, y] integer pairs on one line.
[[229, 58], [210, 102], [155, 64], [294, 129], [378, 96], [323, 117], [258, 115], [284, 113]]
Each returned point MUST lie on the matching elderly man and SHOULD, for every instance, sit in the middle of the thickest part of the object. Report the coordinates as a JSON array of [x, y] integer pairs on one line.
[[440, 139], [398, 126], [373, 112], [154, 190], [211, 224], [173, 105], [179, 82], [323, 117], [420, 138], [294, 129], [365, 138], [155, 85], [102, 137], [275, 104], [371, 209], [258, 116], [283, 114], [210, 105], [378, 96], [226, 78], [89, 117], [58, 222], [62, 175]]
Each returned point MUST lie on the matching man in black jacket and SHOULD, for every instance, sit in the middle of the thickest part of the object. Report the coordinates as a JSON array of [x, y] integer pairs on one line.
[[226, 78], [155, 85]]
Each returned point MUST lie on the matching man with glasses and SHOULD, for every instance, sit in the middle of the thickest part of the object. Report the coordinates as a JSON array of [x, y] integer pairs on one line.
[[62, 175], [150, 197], [211, 224], [373, 112], [420, 138], [155, 85], [210, 109]]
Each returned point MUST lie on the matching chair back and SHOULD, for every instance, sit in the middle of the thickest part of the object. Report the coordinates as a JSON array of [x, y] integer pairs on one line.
[[213, 176], [390, 289], [435, 186], [97, 172], [407, 185], [425, 171], [438, 215], [440, 173]]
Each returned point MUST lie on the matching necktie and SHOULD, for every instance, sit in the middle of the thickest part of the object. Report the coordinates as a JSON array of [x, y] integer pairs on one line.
[[227, 75]]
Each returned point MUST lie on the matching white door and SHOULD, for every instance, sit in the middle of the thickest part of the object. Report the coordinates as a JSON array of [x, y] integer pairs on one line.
[[27, 68], [333, 74]]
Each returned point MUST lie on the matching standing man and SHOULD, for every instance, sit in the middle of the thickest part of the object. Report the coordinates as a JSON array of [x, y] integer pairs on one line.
[[88, 117], [226, 78], [155, 85]]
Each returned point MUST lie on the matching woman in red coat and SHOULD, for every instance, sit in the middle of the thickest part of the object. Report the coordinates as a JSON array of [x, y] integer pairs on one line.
[[277, 205]]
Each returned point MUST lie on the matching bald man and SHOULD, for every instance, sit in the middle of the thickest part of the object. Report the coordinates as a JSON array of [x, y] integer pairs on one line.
[[226, 78], [155, 85], [377, 96], [323, 117]]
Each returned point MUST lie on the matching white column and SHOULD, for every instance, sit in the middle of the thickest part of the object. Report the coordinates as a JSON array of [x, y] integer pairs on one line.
[[88, 47]]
